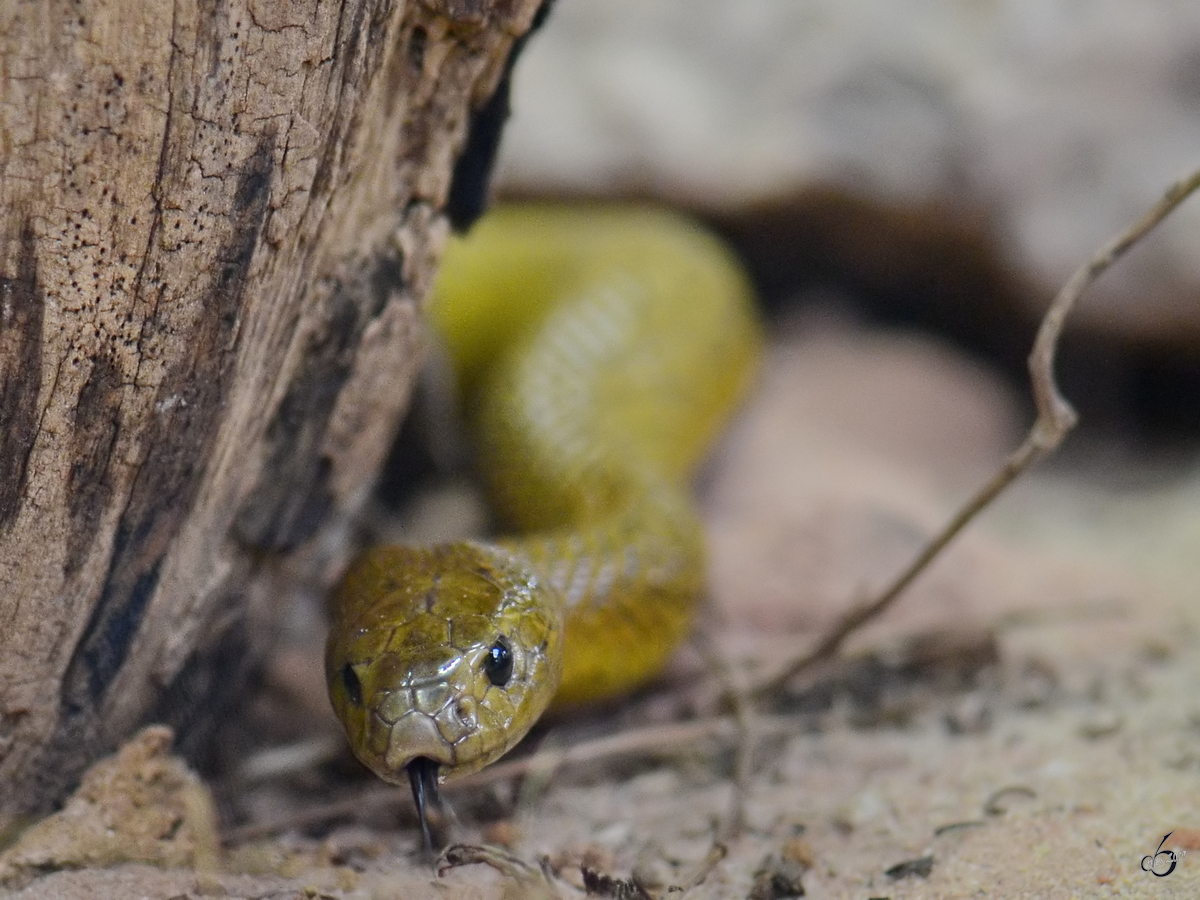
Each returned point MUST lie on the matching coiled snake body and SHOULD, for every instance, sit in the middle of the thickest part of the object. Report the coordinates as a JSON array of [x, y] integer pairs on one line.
[[599, 351]]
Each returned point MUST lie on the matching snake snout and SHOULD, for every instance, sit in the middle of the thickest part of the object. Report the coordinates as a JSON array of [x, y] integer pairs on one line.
[[429, 717], [414, 735]]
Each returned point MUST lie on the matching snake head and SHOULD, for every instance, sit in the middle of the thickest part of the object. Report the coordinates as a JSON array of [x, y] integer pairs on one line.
[[446, 654]]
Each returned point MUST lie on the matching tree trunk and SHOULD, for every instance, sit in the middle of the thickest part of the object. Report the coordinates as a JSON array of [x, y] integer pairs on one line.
[[217, 221]]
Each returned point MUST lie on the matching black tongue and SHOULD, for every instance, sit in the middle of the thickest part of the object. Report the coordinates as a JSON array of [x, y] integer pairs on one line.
[[423, 775]]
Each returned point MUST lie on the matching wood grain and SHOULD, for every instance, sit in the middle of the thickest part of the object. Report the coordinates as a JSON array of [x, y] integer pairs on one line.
[[217, 221]]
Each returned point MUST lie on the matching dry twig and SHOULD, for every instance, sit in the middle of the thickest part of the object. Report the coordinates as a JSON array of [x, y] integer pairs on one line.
[[662, 738], [733, 685], [1055, 418]]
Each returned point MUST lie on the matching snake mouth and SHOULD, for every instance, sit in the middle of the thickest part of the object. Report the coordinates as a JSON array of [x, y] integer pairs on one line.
[[423, 776]]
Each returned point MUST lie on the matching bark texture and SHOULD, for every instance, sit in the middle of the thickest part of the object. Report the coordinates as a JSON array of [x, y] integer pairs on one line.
[[217, 219]]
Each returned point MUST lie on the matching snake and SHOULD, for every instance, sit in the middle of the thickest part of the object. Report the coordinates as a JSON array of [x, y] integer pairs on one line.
[[597, 353]]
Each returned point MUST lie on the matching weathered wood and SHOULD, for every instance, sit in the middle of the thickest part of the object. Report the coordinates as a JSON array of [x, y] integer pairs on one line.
[[217, 218]]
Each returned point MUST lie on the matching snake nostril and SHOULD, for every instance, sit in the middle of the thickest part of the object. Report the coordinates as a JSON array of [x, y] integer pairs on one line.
[[352, 685], [465, 710]]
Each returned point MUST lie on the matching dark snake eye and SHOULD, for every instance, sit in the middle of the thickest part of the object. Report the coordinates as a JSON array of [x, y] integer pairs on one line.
[[352, 685], [498, 664]]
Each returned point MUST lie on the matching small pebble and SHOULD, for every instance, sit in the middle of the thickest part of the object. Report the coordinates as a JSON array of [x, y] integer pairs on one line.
[[569, 862], [1101, 724], [503, 833], [921, 867], [799, 850], [1036, 684], [777, 878], [971, 715]]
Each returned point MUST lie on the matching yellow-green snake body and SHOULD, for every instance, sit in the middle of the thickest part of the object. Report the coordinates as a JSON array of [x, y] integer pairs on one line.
[[599, 351]]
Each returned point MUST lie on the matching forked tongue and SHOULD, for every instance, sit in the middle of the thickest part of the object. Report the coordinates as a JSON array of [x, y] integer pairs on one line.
[[423, 775]]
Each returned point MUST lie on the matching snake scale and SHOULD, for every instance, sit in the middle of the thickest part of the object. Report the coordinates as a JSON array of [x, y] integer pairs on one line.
[[598, 352]]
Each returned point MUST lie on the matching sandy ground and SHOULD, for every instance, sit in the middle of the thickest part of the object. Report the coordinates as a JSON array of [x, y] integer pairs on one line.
[[1023, 724]]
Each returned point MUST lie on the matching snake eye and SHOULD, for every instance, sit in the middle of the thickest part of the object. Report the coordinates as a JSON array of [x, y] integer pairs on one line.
[[352, 685], [498, 664]]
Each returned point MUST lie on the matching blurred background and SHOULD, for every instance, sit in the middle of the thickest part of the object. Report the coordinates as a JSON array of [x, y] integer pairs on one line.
[[938, 163]]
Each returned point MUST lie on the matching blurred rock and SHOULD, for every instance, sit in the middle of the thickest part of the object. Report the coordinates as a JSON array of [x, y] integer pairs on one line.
[[855, 449], [1061, 121], [140, 805]]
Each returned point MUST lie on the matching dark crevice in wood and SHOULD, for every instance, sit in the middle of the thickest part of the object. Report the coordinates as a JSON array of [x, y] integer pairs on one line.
[[472, 177], [21, 309], [89, 487], [292, 495]]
